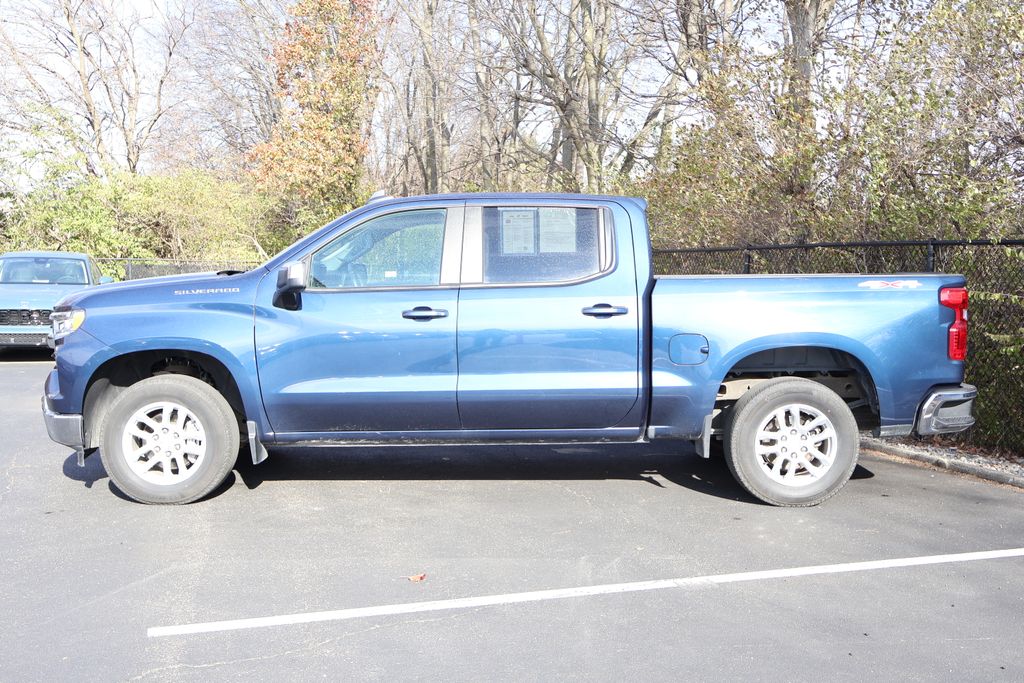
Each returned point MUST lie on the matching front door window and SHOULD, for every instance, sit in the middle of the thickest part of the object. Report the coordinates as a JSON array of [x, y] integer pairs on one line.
[[396, 250]]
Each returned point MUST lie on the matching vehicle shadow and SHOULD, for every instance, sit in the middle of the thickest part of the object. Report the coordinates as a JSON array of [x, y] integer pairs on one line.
[[653, 464], [88, 475], [26, 355], [93, 472]]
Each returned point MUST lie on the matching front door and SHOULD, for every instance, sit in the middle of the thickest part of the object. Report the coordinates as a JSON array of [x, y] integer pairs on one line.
[[372, 346], [548, 323]]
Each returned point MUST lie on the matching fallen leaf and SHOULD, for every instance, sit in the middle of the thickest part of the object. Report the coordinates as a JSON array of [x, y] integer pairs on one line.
[[416, 578]]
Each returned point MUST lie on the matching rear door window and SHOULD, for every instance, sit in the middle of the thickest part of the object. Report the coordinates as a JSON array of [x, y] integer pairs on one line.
[[542, 244]]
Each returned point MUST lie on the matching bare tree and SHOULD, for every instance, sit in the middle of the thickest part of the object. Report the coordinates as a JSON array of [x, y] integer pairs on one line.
[[428, 89], [806, 27], [92, 75], [228, 76]]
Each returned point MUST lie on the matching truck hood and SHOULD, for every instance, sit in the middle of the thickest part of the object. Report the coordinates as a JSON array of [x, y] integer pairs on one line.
[[35, 296], [158, 287]]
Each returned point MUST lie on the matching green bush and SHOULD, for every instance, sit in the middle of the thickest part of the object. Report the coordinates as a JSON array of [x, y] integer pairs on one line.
[[188, 215]]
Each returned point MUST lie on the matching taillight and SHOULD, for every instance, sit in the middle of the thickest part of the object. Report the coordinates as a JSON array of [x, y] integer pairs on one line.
[[956, 298]]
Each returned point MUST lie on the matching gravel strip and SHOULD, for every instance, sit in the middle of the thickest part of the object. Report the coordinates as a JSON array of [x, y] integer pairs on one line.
[[950, 458]]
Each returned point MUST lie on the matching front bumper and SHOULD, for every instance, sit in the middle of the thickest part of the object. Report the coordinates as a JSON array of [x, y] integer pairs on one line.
[[24, 335], [947, 409], [67, 430]]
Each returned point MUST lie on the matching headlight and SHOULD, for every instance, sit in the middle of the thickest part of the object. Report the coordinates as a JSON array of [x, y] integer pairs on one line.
[[66, 322]]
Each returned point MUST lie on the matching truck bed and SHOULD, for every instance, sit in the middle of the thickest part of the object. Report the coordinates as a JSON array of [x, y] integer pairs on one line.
[[891, 324]]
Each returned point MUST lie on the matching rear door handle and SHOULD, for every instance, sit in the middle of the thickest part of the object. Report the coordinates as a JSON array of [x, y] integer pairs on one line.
[[425, 313], [605, 310]]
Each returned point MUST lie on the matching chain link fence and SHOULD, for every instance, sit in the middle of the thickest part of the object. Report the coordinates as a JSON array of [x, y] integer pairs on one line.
[[138, 268], [995, 278]]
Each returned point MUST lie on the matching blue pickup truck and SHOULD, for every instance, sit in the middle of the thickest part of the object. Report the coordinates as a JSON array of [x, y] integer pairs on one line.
[[501, 318]]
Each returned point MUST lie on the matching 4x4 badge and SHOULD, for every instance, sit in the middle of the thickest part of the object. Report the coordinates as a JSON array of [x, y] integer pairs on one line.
[[890, 284]]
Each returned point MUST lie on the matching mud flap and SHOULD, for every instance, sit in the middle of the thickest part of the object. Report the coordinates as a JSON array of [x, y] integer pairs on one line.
[[259, 453], [703, 444]]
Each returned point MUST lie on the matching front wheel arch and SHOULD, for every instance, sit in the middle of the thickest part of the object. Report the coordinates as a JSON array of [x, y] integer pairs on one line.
[[118, 373]]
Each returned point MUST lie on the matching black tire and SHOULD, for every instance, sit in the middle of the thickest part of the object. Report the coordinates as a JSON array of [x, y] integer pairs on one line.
[[214, 415], [756, 407]]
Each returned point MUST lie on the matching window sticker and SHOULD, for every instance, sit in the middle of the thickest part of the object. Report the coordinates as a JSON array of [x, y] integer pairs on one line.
[[517, 231], [557, 231]]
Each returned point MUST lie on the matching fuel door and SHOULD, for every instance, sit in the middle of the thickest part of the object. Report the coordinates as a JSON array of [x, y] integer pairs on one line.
[[688, 349]]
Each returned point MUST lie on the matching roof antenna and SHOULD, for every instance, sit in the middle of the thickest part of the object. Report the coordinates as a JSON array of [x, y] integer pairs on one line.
[[378, 196]]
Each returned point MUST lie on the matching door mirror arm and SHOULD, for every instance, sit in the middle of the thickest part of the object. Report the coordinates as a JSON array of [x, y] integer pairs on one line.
[[291, 281]]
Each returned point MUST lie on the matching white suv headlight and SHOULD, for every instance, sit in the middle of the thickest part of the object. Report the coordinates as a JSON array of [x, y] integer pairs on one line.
[[66, 322]]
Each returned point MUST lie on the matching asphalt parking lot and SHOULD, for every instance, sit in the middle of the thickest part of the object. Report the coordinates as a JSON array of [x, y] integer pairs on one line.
[[95, 586]]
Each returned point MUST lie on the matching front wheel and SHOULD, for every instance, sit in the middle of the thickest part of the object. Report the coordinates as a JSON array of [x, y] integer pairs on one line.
[[169, 439], [791, 442]]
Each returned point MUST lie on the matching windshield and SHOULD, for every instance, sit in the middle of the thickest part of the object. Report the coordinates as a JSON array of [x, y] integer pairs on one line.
[[42, 270]]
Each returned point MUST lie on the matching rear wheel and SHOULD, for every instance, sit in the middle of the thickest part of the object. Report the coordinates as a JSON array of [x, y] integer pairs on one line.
[[791, 442], [169, 439]]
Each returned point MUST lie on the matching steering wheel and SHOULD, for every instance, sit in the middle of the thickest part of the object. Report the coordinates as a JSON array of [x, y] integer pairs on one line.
[[67, 280], [357, 274]]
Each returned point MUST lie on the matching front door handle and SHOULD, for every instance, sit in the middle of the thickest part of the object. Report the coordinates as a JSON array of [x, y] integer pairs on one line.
[[605, 310], [425, 313]]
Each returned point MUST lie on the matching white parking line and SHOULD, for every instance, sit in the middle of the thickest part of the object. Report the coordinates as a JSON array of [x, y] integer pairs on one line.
[[562, 593]]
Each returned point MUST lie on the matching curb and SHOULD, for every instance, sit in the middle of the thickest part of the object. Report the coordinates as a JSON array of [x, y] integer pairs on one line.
[[943, 463]]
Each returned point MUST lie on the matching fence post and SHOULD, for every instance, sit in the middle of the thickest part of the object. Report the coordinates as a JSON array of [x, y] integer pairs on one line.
[[930, 263], [746, 262], [128, 270]]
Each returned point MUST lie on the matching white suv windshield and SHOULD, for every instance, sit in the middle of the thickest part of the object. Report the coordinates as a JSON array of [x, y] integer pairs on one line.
[[28, 270]]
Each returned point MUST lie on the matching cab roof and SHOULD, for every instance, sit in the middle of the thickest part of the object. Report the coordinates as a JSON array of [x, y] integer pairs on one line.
[[47, 254], [380, 197]]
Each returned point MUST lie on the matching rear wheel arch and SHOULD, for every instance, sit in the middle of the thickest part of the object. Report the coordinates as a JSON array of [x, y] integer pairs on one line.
[[837, 369]]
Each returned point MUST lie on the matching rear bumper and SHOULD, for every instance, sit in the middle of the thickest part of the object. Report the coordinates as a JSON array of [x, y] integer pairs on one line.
[[947, 409], [67, 430]]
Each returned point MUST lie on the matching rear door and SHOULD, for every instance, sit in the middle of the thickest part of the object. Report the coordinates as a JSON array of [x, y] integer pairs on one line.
[[548, 330]]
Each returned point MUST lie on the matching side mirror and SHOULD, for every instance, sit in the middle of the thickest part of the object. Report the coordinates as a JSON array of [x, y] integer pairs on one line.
[[291, 280], [291, 277], [105, 280]]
